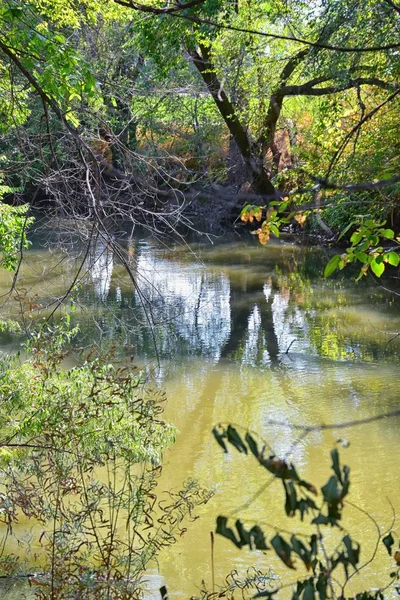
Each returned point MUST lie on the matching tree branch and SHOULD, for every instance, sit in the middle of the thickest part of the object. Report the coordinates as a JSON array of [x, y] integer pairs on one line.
[[199, 21], [393, 5], [227, 111], [359, 187], [160, 11], [361, 122], [291, 65], [207, 71], [267, 135], [308, 89], [343, 425], [32, 80]]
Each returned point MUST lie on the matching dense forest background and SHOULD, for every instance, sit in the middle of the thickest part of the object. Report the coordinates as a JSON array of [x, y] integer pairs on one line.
[[183, 113]]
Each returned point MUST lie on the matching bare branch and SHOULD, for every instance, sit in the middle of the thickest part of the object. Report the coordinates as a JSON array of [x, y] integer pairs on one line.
[[343, 425]]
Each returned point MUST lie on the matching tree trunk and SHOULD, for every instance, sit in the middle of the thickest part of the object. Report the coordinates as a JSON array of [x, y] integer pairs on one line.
[[260, 181]]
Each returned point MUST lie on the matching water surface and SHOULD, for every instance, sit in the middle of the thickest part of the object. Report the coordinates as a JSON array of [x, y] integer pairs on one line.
[[241, 334]]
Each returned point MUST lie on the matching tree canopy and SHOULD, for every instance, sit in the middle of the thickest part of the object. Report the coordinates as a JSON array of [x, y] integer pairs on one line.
[[145, 103]]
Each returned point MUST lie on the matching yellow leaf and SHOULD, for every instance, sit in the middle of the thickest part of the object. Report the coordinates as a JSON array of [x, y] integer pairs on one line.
[[263, 235], [300, 218]]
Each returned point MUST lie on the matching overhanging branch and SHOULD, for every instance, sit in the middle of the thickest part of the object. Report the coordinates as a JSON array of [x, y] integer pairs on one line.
[[309, 89], [177, 12]]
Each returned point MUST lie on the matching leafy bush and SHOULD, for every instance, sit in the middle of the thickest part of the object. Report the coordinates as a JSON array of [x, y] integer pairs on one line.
[[328, 570], [81, 454]]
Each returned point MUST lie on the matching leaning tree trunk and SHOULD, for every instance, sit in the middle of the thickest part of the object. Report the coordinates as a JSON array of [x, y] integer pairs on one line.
[[259, 178]]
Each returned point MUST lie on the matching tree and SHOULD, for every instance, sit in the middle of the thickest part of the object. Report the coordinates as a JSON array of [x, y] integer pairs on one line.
[[233, 47], [81, 453], [270, 72]]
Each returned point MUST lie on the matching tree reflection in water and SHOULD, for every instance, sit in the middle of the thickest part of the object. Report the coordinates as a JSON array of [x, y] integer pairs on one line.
[[252, 313]]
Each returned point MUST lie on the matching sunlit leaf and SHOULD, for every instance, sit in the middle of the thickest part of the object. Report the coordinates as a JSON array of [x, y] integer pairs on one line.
[[300, 218], [387, 233], [332, 265], [376, 267], [274, 229], [393, 258], [356, 237]]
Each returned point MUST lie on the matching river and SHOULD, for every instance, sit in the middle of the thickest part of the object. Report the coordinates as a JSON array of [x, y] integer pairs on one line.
[[243, 334]]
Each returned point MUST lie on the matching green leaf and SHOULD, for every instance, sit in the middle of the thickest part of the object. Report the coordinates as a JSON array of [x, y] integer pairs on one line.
[[274, 229], [393, 258], [336, 464], [387, 233], [361, 256], [322, 586], [388, 541], [308, 593], [324, 520], [252, 444], [219, 438], [332, 265], [330, 490], [244, 535], [225, 531], [235, 439], [306, 554], [291, 498], [377, 268], [353, 551], [356, 237], [283, 206], [257, 538], [305, 505], [283, 550], [345, 230], [254, 538]]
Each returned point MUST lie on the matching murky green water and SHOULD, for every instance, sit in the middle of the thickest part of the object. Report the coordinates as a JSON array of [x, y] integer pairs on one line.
[[244, 335]]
